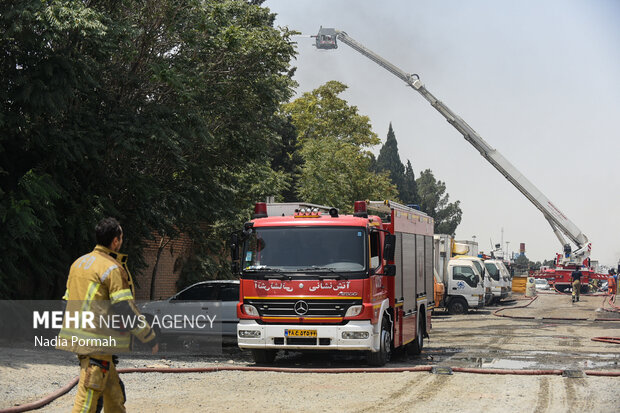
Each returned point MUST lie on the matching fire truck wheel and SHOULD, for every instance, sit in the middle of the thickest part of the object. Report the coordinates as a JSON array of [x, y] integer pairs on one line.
[[384, 354], [415, 347], [457, 306], [263, 356]]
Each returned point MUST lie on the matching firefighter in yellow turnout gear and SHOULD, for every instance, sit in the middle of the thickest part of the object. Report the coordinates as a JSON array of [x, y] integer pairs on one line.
[[99, 283], [576, 278]]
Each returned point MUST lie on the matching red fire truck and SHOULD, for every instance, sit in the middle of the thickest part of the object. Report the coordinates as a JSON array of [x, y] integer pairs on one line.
[[312, 279], [560, 276]]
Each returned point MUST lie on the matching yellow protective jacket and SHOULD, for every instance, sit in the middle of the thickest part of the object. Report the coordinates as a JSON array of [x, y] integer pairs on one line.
[[100, 284]]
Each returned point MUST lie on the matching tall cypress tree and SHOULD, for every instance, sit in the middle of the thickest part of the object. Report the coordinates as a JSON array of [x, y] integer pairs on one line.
[[389, 160], [286, 157], [409, 193]]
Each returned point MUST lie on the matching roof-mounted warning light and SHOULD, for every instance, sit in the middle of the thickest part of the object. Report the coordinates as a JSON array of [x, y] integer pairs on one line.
[[359, 209], [307, 213], [260, 210]]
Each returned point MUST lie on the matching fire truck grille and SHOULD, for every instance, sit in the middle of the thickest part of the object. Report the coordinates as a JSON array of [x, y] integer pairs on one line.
[[302, 308]]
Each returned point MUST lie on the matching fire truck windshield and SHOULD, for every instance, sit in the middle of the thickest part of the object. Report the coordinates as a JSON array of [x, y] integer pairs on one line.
[[306, 249]]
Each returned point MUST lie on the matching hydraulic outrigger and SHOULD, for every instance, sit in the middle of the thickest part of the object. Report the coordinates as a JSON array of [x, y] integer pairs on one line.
[[327, 38]]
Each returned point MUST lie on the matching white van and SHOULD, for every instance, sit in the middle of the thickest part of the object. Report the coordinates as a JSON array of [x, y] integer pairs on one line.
[[479, 263], [501, 285], [464, 287]]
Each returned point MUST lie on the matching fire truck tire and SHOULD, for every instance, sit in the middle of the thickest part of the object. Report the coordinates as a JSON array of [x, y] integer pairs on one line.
[[263, 356], [415, 347], [384, 354], [458, 306]]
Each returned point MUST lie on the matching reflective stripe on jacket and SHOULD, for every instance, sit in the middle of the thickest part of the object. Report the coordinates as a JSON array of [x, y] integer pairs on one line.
[[98, 282]]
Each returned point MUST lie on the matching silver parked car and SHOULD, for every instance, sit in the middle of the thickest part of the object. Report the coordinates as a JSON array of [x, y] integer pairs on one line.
[[205, 308], [542, 284]]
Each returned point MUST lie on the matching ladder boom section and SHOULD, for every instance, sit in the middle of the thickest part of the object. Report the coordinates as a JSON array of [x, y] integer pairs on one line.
[[556, 218], [345, 38]]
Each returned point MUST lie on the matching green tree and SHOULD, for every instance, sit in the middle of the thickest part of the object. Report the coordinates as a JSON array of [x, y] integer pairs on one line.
[[286, 158], [409, 191], [334, 140], [389, 161], [161, 113], [522, 264], [435, 201]]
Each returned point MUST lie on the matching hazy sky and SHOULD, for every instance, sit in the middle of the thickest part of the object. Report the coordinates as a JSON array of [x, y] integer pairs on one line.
[[538, 80]]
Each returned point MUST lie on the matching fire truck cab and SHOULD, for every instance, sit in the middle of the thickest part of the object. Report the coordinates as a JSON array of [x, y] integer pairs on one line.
[[316, 280]]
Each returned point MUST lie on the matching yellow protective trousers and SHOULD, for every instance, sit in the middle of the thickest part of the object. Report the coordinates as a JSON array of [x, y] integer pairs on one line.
[[99, 386], [576, 289]]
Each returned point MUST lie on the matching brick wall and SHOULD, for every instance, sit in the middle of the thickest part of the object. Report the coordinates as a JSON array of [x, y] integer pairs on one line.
[[168, 270]]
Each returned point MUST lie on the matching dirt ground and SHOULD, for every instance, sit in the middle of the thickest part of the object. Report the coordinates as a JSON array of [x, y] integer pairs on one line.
[[478, 339]]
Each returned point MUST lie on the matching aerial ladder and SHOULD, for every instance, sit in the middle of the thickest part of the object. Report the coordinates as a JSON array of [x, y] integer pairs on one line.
[[327, 38]]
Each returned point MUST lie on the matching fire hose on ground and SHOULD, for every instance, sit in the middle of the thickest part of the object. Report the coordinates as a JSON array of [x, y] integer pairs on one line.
[[595, 294], [613, 340], [65, 389], [611, 299], [496, 312]]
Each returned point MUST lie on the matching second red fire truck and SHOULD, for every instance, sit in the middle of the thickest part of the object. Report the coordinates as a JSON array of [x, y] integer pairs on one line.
[[312, 279]]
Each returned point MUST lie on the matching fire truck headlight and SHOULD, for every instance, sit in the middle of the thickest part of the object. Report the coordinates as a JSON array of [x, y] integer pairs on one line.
[[250, 310], [249, 333], [353, 311], [355, 335]]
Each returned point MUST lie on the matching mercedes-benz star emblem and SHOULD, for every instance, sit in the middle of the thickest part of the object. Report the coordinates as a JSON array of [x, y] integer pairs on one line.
[[301, 307]]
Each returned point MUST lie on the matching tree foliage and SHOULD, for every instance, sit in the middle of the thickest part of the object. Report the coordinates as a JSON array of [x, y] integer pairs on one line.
[[287, 159], [409, 191], [434, 200], [389, 161], [161, 113], [333, 142], [522, 264]]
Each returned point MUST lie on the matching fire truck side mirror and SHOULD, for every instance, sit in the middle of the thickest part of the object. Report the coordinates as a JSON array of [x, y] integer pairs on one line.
[[389, 270], [234, 247], [389, 247]]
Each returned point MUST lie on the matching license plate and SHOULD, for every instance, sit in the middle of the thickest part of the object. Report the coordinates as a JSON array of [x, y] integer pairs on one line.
[[300, 333]]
